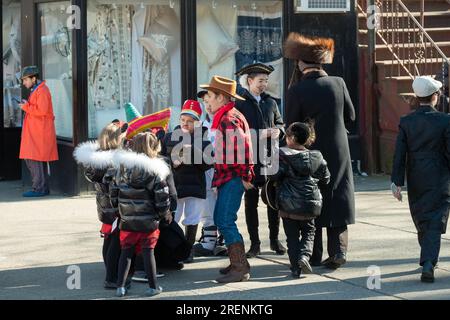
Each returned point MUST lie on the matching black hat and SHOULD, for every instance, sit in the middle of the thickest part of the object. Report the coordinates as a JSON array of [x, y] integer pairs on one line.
[[201, 94], [255, 68], [29, 71]]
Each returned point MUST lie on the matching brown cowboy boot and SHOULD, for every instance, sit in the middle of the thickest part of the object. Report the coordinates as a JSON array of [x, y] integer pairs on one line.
[[239, 265]]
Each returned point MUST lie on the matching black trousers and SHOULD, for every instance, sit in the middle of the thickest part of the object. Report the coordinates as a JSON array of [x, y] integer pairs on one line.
[[429, 238], [251, 199], [300, 239], [111, 255], [337, 242]]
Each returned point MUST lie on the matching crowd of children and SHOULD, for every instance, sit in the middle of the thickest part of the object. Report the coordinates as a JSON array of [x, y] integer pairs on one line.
[[148, 180]]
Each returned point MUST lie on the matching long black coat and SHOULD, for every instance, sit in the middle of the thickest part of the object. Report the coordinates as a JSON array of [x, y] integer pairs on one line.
[[326, 100], [262, 115], [423, 151]]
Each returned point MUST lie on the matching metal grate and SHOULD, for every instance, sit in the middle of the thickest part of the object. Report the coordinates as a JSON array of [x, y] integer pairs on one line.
[[327, 4], [323, 5]]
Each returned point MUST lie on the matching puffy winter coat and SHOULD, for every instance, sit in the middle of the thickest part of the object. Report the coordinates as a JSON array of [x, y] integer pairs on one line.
[[298, 179], [98, 166], [143, 191]]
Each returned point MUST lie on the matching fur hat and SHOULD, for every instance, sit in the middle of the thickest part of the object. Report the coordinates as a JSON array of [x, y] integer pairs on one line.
[[309, 50]]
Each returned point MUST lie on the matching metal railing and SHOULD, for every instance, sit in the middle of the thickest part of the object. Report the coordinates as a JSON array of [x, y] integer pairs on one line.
[[412, 51]]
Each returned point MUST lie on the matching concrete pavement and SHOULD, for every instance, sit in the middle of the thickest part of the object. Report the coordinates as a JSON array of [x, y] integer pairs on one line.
[[40, 239]]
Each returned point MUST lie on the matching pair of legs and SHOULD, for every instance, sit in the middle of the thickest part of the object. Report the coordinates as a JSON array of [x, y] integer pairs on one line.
[[429, 236], [39, 176], [191, 208], [225, 216], [129, 242], [337, 243], [252, 220], [111, 255], [300, 241]]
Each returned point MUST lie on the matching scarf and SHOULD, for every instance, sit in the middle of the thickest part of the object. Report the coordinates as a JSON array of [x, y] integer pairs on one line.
[[219, 114]]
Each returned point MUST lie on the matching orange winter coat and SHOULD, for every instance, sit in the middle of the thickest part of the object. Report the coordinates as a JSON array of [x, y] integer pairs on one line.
[[38, 131]]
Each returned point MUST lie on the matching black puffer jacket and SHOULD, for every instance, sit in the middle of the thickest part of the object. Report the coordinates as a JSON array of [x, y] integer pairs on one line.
[[298, 180], [97, 164], [144, 195], [189, 179]]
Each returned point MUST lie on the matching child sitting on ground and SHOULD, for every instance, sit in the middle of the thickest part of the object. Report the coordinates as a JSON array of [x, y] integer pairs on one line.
[[298, 196]]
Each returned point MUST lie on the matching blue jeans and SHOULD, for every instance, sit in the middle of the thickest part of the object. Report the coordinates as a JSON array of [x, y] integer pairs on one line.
[[227, 206]]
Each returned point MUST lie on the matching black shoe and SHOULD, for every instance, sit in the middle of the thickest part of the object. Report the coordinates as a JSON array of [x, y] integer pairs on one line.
[[427, 272], [340, 259], [110, 285], [254, 250], [200, 251], [304, 265], [296, 273], [335, 262], [190, 259], [275, 245]]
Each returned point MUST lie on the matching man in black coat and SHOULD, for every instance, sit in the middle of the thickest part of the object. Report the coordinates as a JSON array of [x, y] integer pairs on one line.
[[313, 95], [262, 114], [423, 151]]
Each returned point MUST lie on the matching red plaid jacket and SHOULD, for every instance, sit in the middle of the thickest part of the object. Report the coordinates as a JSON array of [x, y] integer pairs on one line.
[[233, 146]]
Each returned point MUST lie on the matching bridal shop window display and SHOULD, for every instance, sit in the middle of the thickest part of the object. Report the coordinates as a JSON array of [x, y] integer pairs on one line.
[[133, 56], [12, 115], [232, 34], [56, 52]]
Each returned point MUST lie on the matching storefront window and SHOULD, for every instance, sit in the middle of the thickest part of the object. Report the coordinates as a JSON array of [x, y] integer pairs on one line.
[[133, 56], [232, 34], [11, 64], [56, 52]]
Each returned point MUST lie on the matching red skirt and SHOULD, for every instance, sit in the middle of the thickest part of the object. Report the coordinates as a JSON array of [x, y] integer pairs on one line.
[[142, 240]]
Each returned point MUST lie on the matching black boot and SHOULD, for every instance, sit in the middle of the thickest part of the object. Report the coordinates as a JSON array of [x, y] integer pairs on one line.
[[427, 272], [275, 245], [255, 249], [191, 233]]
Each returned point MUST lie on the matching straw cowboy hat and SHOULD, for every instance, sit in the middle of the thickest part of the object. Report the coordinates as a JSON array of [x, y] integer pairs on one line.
[[223, 85]]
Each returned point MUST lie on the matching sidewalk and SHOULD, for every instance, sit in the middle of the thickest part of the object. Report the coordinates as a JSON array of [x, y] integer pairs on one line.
[[39, 239]]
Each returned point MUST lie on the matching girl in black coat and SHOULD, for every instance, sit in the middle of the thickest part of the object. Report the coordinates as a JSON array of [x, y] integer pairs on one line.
[[299, 200], [143, 200], [97, 158]]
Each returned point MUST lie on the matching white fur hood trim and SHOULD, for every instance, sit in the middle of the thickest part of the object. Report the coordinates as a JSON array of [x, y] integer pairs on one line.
[[89, 155], [131, 160]]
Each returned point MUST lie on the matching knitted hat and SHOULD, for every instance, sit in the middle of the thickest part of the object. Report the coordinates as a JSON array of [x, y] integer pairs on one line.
[[131, 112], [309, 50], [152, 122], [192, 108]]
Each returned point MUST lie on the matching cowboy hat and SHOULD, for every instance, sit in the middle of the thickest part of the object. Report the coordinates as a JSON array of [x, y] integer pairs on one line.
[[223, 85]]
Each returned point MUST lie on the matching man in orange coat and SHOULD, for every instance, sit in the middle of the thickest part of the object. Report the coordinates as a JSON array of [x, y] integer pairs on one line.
[[38, 144]]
